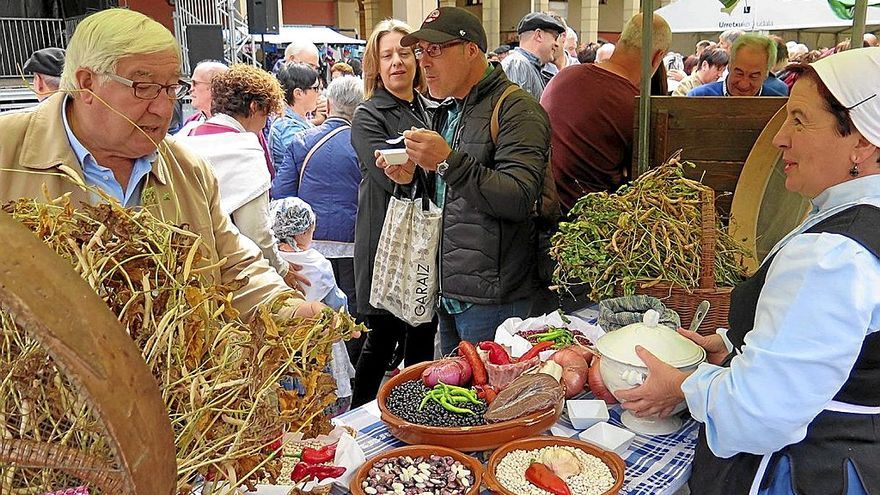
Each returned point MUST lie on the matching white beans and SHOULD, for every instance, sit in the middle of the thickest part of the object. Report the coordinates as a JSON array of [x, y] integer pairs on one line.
[[594, 479]]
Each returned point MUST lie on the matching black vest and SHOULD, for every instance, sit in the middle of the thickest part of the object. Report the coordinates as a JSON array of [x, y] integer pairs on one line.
[[818, 463]]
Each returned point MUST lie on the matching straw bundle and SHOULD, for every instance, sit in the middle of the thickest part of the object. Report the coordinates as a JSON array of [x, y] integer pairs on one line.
[[218, 376]]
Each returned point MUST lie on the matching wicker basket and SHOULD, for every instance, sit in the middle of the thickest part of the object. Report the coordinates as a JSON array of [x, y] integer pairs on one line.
[[685, 300]]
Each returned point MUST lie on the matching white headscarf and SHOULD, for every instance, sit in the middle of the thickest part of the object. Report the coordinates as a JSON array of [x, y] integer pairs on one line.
[[853, 77]]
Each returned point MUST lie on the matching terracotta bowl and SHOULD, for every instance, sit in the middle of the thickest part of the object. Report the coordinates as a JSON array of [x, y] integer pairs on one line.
[[612, 460], [465, 438], [419, 450]]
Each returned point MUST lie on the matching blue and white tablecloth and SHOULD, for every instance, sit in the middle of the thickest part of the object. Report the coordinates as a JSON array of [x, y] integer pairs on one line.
[[655, 465]]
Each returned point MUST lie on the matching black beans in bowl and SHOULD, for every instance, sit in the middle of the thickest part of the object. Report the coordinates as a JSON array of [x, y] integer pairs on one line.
[[404, 401]]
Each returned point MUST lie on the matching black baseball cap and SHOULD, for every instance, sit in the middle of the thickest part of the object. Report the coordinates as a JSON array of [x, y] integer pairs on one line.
[[48, 61], [539, 20], [446, 24]]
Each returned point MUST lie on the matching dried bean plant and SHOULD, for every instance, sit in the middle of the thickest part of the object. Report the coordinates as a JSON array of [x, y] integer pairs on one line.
[[219, 377], [647, 232]]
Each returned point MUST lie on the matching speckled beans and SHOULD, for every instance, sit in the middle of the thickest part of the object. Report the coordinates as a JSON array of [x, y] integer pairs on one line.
[[434, 475]]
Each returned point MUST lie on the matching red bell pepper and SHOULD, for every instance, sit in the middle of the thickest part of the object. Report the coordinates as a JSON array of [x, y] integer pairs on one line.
[[324, 472], [544, 478], [319, 456], [535, 350], [300, 472], [305, 472], [497, 354]]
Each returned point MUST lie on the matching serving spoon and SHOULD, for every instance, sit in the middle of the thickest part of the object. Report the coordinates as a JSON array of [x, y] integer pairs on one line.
[[699, 314], [395, 140]]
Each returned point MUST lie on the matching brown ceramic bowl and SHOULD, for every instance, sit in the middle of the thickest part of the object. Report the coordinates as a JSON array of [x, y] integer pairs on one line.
[[419, 450], [612, 460], [465, 438]]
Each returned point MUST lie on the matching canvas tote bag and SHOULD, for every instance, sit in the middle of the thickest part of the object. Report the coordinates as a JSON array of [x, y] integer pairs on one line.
[[405, 273]]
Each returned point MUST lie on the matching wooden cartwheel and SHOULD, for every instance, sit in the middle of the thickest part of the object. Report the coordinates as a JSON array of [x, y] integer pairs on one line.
[[87, 343], [763, 211]]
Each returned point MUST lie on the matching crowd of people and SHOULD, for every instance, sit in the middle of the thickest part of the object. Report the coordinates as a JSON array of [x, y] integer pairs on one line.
[[281, 176]]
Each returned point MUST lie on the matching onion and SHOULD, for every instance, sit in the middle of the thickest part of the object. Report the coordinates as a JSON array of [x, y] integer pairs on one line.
[[574, 370], [451, 371], [597, 386], [584, 352]]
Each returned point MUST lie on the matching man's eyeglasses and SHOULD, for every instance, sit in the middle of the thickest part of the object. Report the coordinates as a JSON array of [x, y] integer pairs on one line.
[[151, 91], [316, 87], [554, 34], [434, 50]]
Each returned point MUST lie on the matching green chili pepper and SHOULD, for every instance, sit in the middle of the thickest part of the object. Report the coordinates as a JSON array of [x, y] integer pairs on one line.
[[453, 408]]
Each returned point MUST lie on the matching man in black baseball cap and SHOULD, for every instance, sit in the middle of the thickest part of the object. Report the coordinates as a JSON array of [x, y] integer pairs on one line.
[[447, 24], [486, 188], [46, 65]]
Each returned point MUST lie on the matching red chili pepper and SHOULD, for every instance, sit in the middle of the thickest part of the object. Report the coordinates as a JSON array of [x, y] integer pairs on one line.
[[535, 350], [319, 456], [300, 472], [497, 354], [469, 352], [544, 478], [324, 472]]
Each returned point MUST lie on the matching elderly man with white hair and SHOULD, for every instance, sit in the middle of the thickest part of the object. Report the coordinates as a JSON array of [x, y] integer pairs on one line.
[[751, 59], [571, 44], [322, 169], [107, 129], [200, 93]]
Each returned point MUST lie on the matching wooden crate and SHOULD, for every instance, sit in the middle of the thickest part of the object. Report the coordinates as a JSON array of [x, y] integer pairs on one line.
[[715, 133]]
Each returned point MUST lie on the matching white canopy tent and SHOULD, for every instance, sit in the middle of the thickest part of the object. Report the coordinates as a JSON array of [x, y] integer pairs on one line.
[[316, 34], [706, 16]]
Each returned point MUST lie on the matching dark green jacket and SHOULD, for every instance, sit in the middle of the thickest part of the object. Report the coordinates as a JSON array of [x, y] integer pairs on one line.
[[489, 245]]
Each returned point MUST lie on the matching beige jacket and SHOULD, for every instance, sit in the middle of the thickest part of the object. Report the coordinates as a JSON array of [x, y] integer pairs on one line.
[[34, 151]]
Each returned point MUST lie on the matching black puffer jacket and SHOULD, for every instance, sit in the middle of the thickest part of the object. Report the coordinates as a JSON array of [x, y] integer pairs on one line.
[[381, 117], [488, 248]]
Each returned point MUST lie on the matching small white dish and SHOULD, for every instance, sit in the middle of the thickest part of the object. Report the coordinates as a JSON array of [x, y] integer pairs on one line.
[[396, 156], [585, 413], [608, 437]]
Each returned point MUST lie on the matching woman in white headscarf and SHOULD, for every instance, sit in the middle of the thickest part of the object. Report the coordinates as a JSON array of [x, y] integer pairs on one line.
[[795, 407]]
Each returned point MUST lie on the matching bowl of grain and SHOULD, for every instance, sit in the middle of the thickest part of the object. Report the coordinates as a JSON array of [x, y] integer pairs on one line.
[[598, 472]]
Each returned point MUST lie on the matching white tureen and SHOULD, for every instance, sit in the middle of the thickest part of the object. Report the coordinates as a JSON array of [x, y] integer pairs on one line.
[[621, 368]]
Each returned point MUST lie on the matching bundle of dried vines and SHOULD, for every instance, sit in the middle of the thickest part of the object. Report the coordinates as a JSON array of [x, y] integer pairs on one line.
[[647, 232], [218, 376]]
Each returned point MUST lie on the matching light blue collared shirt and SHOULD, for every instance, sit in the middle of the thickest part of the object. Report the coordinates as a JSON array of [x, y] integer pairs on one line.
[[102, 177], [819, 302]]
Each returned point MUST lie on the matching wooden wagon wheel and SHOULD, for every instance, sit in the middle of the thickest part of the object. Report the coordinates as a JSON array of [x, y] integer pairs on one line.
[[87, 343], [763, 211]]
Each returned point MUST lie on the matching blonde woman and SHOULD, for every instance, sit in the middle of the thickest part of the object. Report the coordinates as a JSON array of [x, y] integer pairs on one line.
[[393, 104]]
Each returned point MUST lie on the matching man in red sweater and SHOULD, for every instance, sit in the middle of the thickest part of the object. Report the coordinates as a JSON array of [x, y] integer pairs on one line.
[[592, 109]]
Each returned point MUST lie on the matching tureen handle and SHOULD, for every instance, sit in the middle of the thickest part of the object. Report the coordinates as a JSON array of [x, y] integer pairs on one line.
[[633, 377]]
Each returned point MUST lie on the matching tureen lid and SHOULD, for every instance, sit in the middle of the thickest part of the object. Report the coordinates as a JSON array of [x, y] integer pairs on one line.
[[662, 341]]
